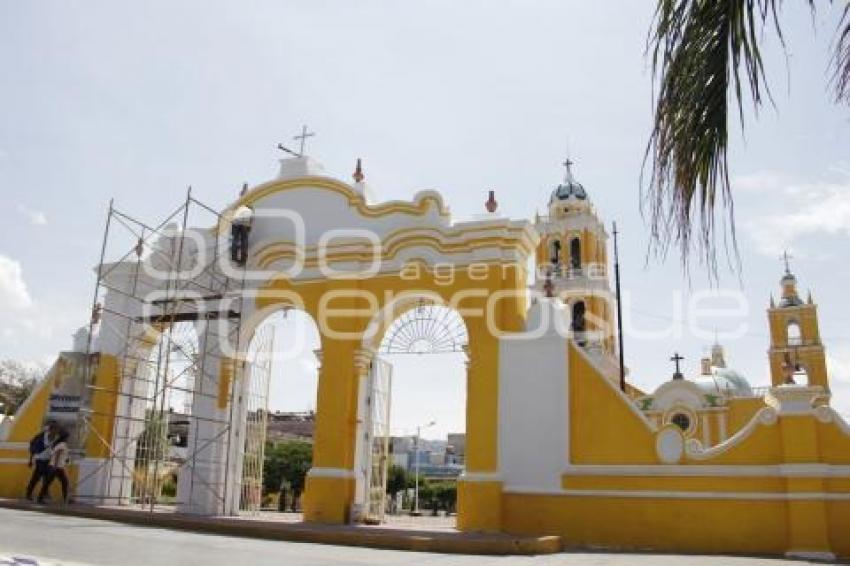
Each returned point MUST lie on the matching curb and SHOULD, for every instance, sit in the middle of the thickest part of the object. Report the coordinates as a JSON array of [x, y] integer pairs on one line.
[[345, 535]]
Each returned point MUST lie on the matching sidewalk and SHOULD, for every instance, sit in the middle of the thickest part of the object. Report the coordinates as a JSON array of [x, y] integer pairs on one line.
[[383, 537]]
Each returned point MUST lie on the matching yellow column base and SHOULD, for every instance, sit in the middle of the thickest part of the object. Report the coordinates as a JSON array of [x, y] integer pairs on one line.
[[328, 499], [479, 506]]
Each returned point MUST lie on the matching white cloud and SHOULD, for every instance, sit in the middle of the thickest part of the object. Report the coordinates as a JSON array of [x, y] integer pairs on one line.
[[838, 366], [806, 210], [35, 217], [14, 294], [761, 181]]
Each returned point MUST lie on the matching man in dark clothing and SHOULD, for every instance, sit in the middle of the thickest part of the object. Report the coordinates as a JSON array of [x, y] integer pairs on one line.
[[240, 228], [41, 448]]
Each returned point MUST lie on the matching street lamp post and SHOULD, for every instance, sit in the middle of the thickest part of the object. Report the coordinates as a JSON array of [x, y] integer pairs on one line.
[[416, 467]]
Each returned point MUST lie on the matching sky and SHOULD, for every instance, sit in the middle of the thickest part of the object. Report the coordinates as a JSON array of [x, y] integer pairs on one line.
[[135, 102]]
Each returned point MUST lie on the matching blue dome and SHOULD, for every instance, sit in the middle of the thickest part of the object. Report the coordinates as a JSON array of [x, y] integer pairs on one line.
[[570, 189], [725, 380]]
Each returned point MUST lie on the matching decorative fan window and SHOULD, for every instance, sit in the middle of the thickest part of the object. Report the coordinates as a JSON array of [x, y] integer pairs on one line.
[[426, 329]]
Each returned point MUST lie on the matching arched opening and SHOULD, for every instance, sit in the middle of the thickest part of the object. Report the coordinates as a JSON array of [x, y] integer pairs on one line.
[[278, 408], [794, 334], [555, 252], [152, 434], [575, 253], [801, 374], [413, 445], [578, 324]]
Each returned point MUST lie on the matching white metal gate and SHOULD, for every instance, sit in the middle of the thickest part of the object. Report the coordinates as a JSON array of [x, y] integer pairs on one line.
[[378, 437], [255, 402]]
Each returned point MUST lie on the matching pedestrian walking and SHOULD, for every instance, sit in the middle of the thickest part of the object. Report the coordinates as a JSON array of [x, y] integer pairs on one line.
[[41, 449], [56, 470]]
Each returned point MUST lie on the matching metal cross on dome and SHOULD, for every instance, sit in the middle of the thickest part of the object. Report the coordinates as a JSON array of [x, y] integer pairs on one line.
[[568, 164], [786, 257], [676, 359]]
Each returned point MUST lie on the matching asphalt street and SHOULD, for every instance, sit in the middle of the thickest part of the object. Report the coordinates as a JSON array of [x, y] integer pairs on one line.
[[46, 540]]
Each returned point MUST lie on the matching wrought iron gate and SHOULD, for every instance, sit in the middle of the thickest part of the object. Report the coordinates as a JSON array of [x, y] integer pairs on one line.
[[255, 402], [378, 422]]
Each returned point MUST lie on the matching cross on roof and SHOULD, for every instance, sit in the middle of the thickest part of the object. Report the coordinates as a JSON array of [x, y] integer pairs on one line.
[[303, 137], [786, 257], [676, 359], [568, 163]]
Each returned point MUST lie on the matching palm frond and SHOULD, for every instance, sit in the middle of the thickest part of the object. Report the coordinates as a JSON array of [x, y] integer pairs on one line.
[[841, 77], [700, 50]]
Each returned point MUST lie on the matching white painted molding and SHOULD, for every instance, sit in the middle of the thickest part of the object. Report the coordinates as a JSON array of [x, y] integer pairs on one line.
[[13, 460], [827, 414], [480, 477], [699, 470], [670, 444], [793, 400], [14, 446], [651, 494], [766, 416], [337, 473]]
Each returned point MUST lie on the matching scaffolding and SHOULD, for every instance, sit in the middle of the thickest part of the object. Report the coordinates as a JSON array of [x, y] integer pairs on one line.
[[167, 303]]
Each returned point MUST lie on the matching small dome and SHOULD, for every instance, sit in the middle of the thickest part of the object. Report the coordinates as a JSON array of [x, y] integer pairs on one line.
[[569, 190], [790, 298], [726, 381]]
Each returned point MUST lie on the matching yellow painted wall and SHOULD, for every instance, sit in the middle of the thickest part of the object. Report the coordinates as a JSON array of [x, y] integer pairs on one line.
[[833, 444], [604, 430], [14, 473], [741, 410], [650, 524]]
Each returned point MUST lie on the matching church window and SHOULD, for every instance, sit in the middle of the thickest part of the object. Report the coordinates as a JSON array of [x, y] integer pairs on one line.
[[575, 253], [795, 336], [555, 252], [682, 421]]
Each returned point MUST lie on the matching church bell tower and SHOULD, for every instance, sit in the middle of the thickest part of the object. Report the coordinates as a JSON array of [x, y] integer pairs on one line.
[[571, 263], [796, 352]]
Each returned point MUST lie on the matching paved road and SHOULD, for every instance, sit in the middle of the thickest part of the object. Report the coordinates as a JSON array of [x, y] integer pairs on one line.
[[71, 541]]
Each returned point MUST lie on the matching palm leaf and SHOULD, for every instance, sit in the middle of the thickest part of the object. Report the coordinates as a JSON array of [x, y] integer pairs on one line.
[[700, 50], [841, 77]]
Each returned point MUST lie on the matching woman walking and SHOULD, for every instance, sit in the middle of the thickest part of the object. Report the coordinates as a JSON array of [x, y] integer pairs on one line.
[[56, 470]]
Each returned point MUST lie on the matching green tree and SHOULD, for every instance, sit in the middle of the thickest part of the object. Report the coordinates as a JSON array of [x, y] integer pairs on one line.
[[426, 493], [397, 480], [17, 381], [701, 50], [287, 463], [446, 495]]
